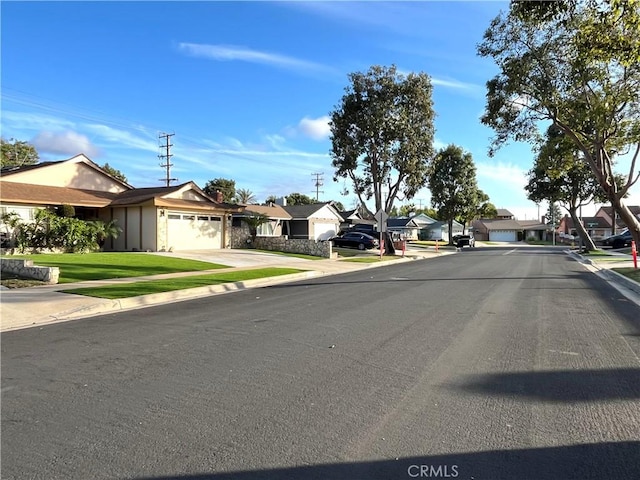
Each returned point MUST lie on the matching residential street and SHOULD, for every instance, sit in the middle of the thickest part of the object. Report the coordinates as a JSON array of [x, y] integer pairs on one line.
[[493, 363]]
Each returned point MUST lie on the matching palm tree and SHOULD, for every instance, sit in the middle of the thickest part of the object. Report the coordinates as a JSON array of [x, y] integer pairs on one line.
[[245, 196], [253, 222], [101, 231]]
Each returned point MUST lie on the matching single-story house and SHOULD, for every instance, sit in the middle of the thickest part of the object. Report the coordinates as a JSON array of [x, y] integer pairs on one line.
[[274, 227], [534, 229], [318, 221], [498, 230], [440, 230], [156, 219]]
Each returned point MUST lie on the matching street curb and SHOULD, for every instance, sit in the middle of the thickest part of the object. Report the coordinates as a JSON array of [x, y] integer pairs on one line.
[[606, 273], [106, 306]]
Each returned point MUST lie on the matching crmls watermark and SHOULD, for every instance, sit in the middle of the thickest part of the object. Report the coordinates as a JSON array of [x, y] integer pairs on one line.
[[433, 471]]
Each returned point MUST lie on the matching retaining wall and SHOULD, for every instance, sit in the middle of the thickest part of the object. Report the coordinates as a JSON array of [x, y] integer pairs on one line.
[[26, 269]]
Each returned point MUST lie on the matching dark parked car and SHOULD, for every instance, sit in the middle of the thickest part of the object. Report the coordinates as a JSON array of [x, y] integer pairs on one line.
[[464, 241], [618, 241], [358, 240]]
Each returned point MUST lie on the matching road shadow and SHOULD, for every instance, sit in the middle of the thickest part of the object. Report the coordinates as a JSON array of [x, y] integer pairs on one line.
[[611, 460], [557, 386]]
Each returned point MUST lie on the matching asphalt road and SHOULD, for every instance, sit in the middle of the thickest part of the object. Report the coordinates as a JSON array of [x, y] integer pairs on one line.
[[488, 364]]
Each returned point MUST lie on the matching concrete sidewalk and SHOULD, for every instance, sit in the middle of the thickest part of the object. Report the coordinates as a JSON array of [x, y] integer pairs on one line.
[[42, 305]]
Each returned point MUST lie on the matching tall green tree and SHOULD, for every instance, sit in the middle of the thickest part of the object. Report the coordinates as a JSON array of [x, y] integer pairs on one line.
[[575, 65], [114, 172], [382, 134], [299, 199], [561, 175], [453, 185], [225, 186], [16, 153]]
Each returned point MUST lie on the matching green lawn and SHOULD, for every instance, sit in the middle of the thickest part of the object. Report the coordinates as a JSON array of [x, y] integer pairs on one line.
[[126, 290], [79, 267], [632, 273]]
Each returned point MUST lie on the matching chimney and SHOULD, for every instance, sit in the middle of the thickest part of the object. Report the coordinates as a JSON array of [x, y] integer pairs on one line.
[[218, 197]]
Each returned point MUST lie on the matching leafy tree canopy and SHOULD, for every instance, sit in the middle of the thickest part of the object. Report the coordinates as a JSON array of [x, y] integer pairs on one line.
[[225, 186], [454, 190], [114, 172], [382, 134], [16, 153], [575, 65], [299, 199]]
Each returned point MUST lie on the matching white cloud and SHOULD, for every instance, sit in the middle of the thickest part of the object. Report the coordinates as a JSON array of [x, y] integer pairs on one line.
[[315, 128], [122, 138], [512, 175], [232, 52], [65, 143]]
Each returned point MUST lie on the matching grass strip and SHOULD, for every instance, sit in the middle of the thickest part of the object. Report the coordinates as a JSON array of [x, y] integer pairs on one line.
[[81, 267], [629, 272], [134, 289]]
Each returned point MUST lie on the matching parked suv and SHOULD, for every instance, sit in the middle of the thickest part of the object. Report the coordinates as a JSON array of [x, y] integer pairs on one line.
[[464, 241], [618, 241]]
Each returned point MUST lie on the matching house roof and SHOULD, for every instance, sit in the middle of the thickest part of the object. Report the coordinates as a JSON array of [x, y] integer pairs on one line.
[[500, 224], [143, 195], [503, 212], [26, 193], [305, 211], [271, 211], [532, 225]]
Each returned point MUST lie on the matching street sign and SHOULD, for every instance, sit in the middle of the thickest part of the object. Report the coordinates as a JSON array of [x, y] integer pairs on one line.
[[381, 217]]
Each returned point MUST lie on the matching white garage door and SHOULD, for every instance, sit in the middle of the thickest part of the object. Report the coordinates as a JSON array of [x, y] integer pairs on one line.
[[192, 231], [324, 231], [503, 236]]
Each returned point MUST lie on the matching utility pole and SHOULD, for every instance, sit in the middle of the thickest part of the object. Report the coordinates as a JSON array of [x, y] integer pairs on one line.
[[166, 158], [318, 184]]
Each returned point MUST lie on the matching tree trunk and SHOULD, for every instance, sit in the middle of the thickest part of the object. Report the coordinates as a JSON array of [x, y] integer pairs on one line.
[[450, 232], [627, 217], [589, 244]]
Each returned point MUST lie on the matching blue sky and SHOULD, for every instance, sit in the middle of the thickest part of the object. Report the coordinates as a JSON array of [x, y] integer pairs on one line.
[[246, 87]]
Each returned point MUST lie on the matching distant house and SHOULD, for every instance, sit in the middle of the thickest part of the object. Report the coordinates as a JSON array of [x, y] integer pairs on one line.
[[409, 227], [440, 230], [596, 227], [498, 230], [357, 216], [534, 229], [318, 221], [617, 225], [276, 214], [157, 218]]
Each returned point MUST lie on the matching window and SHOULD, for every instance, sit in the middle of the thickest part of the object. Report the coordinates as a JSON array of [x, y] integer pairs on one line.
[[203, 217], [188, 217], [174, 216], [216, 219]]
